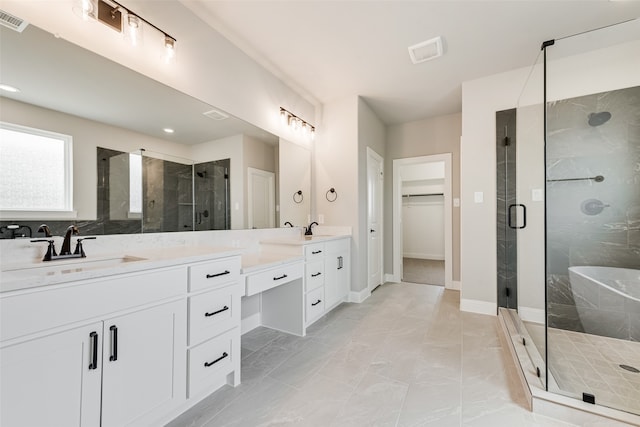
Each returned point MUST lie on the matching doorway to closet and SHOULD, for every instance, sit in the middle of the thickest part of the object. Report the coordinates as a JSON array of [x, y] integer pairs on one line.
[[422, 220]]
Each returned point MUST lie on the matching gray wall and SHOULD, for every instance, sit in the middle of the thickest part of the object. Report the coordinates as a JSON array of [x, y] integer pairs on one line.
[[425, 137]]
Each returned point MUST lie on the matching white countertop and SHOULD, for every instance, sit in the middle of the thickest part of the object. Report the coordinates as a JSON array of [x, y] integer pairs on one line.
[[257, 262], [27, 276], [303, 240]]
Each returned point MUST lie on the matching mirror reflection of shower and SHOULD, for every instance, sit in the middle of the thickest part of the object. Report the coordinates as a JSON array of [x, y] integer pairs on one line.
[[212, 195]]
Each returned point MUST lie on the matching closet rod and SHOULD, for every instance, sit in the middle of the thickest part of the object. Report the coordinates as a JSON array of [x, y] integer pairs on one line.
[[425, 194]]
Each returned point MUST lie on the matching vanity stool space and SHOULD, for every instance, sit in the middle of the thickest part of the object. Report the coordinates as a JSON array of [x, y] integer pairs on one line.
[[327, 270], [124, 345]]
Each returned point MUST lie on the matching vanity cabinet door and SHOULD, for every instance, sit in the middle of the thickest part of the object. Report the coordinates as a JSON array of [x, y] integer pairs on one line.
[[337, 268], [52, 381], [139, 375]]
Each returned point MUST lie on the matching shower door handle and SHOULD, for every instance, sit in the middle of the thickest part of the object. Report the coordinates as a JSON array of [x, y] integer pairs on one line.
[[524, 216]]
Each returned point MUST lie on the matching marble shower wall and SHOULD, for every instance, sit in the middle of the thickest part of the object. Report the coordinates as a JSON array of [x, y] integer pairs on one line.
[[507, 243], [590, 222]]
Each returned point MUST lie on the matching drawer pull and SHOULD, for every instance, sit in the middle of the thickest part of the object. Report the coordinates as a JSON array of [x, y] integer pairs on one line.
[[216, 312], [316, 275], [207, 364], [94, 355], [316, 303], [210, 276], [284, 276], [114, 343], [316, 252]]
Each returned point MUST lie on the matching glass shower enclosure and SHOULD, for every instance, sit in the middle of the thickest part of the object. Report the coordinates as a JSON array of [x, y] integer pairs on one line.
[[577, 257]]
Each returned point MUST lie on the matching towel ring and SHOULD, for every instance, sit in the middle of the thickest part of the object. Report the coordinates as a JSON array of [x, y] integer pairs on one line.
[[300, 197], [331, 198]]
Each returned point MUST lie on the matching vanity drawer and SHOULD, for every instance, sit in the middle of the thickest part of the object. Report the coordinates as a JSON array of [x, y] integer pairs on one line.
[[273, 277], [314, 251], [213, 312], [212, 360], [314, 275], [314, 305], [213, 274]]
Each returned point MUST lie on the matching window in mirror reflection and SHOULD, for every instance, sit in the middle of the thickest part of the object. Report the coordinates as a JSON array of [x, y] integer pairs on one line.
[[35, 172], [135, 184]]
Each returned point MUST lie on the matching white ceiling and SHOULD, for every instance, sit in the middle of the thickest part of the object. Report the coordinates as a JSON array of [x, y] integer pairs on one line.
[[331, 49]]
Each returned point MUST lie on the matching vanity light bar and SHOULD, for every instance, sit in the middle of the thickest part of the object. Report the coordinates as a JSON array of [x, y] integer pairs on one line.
[[296, 124], [112, 13]]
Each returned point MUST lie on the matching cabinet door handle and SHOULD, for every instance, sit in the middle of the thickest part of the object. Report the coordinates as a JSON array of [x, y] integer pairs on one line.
[[316, 252], [114, 343], [316, 275], [281, 277], [93, 336], [207, 364], [213, 313], [340, 265], [316, 303], [210, 276]]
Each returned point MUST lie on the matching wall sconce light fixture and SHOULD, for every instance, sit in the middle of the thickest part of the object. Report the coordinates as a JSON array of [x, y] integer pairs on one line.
[[123, 20], [296, 124]]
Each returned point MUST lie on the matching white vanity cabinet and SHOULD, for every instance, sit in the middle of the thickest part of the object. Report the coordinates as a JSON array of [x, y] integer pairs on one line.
[[214, 325], [327, 271], [122, 367], [120, 350], [327, 274]]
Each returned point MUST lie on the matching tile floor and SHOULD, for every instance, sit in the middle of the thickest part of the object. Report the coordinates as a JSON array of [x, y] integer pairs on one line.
[[582, 362], [405, 357], [424, 271]]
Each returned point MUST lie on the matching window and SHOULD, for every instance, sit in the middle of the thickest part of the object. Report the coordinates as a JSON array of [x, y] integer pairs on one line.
[[135, 184], [35, 170]]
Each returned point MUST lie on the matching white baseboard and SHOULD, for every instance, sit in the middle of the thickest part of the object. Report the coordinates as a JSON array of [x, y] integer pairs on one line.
[[455, 285], [359, 296], [391, 278], [249, 323], [528, 314], [477, 306], [419, 255]]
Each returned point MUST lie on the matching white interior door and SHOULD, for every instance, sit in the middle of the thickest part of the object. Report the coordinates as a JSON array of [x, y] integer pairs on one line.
[[262, 198], [375, 181]]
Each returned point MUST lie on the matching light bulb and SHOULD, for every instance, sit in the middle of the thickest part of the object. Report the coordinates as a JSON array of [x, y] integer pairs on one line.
[[283, 116], [85, 9], [169, 48], [134, 29], [312, 133]]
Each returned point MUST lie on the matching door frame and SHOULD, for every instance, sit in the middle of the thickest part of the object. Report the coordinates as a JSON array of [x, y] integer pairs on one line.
[[448, 214], [373, 156], [271, 179]]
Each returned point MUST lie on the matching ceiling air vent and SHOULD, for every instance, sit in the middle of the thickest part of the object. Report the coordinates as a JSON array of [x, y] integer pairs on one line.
[[12, 22], [426, 51], [216, 115]]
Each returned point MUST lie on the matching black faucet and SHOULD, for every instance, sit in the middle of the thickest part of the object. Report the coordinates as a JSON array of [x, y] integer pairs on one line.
[[44, 229], [66, 244], [308, 230], [289, 224]]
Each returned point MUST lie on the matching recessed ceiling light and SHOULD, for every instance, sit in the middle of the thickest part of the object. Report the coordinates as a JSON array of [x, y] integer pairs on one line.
[[8, 88], [168, 130]]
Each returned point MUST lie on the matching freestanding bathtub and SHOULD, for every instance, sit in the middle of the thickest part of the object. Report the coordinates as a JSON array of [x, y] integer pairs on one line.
[[607, 300]]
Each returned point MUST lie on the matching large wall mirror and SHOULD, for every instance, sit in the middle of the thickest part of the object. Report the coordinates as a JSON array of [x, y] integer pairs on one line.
[[213, 171]]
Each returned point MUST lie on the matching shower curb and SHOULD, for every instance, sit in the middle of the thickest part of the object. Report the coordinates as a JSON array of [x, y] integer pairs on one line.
[[553, 405]]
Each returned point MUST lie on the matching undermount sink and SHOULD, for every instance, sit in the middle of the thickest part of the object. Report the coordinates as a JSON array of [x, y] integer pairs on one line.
[[70, 266]]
